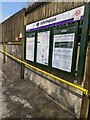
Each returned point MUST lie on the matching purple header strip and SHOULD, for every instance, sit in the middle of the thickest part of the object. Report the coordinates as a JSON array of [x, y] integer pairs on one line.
[[54, 24]]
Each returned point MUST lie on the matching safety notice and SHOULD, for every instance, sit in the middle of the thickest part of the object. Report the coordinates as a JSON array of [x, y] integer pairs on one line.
[[63, 51]]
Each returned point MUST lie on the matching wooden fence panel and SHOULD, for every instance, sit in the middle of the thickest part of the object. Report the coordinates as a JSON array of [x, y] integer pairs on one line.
[[13, 26], [48, 9]]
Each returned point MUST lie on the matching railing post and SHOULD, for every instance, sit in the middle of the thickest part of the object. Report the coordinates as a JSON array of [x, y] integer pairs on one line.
[[4, 56], [22, 54], [22, 58]]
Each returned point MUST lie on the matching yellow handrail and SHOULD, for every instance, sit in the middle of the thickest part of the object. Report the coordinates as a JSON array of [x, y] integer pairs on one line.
[[85, 91]]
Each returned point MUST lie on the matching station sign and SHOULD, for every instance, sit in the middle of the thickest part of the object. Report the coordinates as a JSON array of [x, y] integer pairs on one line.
[[63, 18]]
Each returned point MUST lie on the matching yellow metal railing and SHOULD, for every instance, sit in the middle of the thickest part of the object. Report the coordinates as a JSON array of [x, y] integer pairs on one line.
[[85, 91]]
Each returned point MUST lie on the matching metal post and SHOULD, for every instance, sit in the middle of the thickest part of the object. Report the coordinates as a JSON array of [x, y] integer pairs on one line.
[[84, 41], [85, 108]]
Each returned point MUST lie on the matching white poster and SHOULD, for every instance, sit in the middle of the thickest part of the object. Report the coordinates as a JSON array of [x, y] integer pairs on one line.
[[43, 47], [63, 51], [30, 42]]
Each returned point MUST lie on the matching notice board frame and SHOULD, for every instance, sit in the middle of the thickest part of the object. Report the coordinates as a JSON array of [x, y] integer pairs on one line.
[[36, 64], [68, 28], [29, 61], [49, 67]]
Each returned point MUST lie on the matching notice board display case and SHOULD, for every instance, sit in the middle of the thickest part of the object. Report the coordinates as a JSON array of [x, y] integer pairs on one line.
[[65, 48]]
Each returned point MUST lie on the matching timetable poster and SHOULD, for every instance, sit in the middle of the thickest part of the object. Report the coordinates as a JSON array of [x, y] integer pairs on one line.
[[43, 47], [63, 51], [30, 42]]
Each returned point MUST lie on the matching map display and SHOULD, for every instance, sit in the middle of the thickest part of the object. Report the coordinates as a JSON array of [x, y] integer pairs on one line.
[[43, 47]]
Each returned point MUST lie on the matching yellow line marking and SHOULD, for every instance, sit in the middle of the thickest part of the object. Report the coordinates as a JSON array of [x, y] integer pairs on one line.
[[85, 91]]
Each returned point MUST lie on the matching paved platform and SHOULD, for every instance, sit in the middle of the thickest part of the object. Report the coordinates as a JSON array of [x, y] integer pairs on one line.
[[23, 99]]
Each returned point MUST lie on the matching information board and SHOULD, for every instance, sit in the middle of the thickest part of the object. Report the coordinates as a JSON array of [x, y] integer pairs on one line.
[[30, 42], [43, 47], [63, 51]]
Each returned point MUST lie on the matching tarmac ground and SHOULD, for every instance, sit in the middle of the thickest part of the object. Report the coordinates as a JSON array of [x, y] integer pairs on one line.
[[20, 98]]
